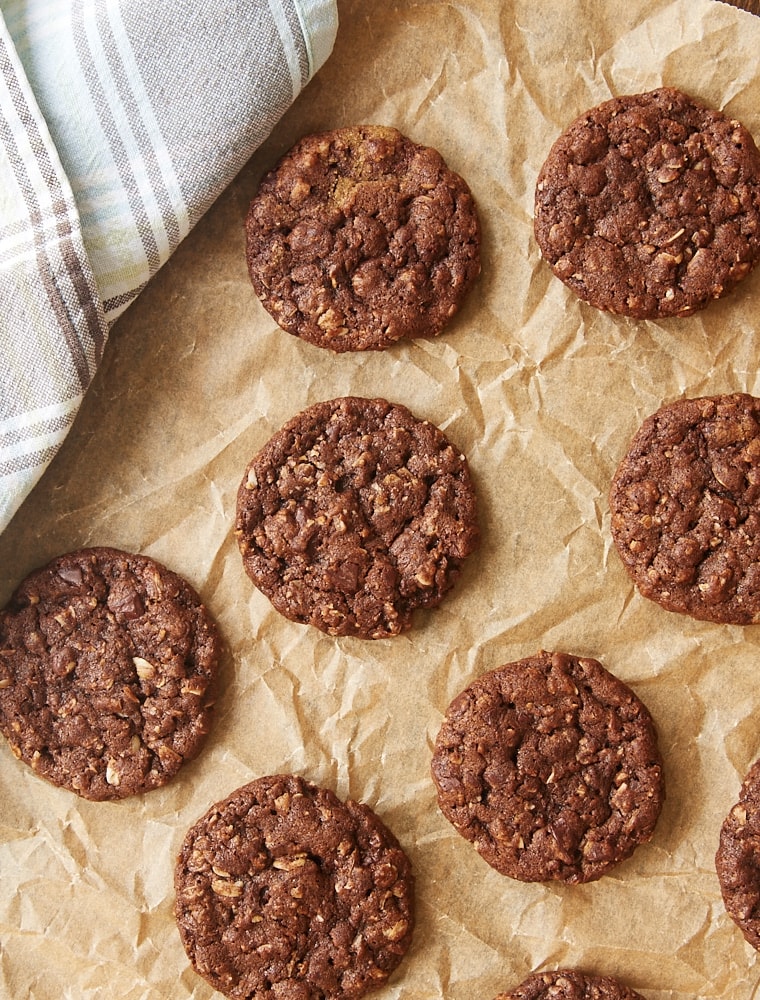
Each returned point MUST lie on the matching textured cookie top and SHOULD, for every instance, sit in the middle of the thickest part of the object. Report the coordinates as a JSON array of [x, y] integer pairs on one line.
[[359, 237], [106, 666], [569, 984], [285, 891], [685, 506], [550, 767], [649, 205], [737, 861], [353, 515]]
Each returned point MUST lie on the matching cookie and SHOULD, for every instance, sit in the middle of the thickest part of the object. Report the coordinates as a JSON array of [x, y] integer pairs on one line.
[[550, 767], [355, 514], [283, 890], [737, 861], [107, 661], [649, 205], [569, 984], [685, 508], [360, 237]]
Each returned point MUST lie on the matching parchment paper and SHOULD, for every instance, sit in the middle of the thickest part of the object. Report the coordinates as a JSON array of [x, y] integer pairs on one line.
[[543, 394]]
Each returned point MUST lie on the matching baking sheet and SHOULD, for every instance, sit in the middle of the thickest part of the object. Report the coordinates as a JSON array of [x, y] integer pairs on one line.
[[543, 394]]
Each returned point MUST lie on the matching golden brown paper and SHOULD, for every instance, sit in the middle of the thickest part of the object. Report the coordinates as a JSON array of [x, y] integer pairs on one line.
[[543, 394]]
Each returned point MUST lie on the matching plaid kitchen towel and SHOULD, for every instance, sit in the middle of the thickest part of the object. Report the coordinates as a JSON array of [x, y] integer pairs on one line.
[[120, 123]]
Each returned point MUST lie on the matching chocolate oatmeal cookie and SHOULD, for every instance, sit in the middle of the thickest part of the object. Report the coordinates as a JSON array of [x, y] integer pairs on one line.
[[359, 237], [737, 861], [685, 508], [355, 514], [285, 891], [550, 767], [106, 665], [649, 205], [569, 984]]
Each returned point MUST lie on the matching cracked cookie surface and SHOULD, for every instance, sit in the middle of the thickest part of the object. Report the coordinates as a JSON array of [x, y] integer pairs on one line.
[[737, 860], [353, 515], [360, 237], [569, 984], [685, 508], [550, 767], [107, 661], [284, 890], [648, 205]]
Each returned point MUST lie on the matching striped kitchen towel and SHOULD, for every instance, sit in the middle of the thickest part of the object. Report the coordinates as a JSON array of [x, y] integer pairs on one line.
[[120, 123]]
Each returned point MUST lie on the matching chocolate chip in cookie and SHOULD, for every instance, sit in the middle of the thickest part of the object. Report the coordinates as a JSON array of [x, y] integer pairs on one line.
[[107, 662], [283, 890], [355, 514], [359, 237], [648, 205], [550, 767]]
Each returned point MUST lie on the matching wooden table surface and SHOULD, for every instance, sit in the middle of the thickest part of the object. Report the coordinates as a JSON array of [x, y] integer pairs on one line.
[[751, 5]]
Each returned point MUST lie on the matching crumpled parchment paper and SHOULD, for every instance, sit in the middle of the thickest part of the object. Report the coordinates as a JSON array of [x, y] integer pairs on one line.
[[543, 394]]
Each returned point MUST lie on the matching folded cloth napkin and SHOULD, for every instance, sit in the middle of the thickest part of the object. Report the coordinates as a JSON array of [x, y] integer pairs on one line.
[[120, 123]]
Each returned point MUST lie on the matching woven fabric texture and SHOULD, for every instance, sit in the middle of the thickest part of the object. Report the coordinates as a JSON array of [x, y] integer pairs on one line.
[[121, 121]]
